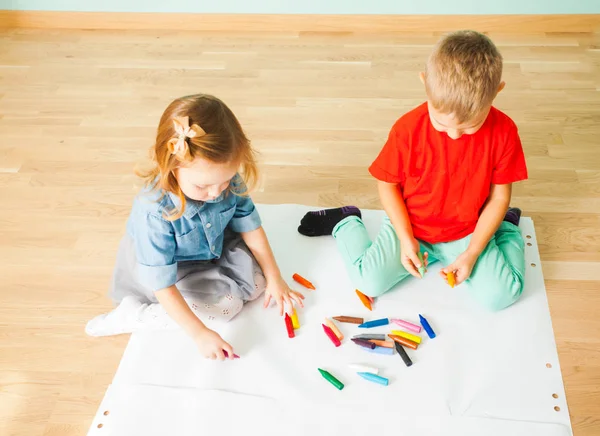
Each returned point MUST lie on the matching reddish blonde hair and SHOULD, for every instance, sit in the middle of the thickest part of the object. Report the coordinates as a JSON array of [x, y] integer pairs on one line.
[[224, 141]]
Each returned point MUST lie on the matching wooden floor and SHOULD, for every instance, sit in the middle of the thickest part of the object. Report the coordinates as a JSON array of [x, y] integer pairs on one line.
[[79, 108]]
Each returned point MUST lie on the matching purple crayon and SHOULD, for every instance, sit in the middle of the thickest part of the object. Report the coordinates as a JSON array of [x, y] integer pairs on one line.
[[235, 356], [364, 343]]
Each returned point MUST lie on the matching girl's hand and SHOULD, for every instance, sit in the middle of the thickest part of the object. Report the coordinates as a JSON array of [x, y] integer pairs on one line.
[[211, 345], [461, 267], [409, 256], [279, 290]]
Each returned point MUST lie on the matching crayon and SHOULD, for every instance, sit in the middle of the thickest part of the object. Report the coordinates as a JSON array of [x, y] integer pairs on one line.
[[349, 319], [406, 342], [303, 281], [364, 343], [402, 352], [408, 336], [363, 368], [381, 350], [369, 337], [295, 320], [289, 326], [451, 279], [385, 344], [371, 299], [374, 378], [364, 299], [374, 323], [334, 328], [331, 335], [422, 267], [407, 325], [331, 379], [426, 327], [235, 356]]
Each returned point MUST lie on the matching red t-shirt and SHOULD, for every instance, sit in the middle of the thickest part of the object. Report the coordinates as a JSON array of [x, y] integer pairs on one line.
[[445, 182]]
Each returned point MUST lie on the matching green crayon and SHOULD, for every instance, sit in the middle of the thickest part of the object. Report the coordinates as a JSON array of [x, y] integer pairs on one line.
[[331, 379], [422, 267]]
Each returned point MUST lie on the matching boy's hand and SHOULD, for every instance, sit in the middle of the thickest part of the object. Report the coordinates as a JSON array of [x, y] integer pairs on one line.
[[409, 250], [461, 267], [279, 290], [211, 345]]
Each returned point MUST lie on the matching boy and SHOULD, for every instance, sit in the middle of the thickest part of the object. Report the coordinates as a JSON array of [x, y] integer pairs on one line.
[[444, 179]]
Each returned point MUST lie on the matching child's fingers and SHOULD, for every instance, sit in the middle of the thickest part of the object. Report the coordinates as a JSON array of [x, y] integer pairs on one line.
[[426, 258], [267, 299], [220, 355], [298, 294], [280, 305], [229, 350], [297, 298], [409, 265], [288, 303]]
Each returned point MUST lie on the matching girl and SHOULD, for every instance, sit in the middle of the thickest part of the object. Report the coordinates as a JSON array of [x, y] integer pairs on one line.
[[194, 244]]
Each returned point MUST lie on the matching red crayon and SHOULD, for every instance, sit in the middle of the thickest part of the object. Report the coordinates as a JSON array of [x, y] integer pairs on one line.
[[331, 335], [235, 356], [289, 326]]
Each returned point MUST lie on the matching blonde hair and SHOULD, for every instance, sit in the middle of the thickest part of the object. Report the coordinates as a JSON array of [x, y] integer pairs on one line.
[[463, 74], [218, 137]]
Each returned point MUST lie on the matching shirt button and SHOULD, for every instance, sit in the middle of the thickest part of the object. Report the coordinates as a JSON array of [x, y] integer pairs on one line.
[[212, 248], [208, 225]]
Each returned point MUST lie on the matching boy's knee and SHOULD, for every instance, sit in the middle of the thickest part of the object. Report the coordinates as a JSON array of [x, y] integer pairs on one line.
[[373, 285], [498, 296]]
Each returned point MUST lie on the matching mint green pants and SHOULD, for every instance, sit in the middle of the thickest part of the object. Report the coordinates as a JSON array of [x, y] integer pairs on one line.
[[374, 267]]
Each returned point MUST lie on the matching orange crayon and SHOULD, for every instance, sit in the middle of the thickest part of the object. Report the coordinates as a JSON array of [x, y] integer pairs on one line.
[[303, 281], [385, 344], [334, 328], [403, 341], [364, 299], [451, 279]]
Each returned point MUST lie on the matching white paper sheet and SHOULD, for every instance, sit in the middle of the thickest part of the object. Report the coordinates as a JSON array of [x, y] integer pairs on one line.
[[485, 373]]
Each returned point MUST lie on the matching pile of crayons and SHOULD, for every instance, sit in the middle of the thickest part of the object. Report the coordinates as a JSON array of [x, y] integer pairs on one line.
[[377, 343], [374, 343]]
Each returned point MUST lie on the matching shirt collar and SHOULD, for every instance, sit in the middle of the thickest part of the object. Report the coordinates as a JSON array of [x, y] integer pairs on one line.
[[192, 207]]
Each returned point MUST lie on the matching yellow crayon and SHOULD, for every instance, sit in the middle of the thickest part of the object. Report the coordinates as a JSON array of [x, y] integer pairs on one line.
[[334, 328], [295, 321], [408, 336]]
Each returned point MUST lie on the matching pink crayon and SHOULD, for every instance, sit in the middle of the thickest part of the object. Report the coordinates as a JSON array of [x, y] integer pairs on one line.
[[235, 356], [407, 325]]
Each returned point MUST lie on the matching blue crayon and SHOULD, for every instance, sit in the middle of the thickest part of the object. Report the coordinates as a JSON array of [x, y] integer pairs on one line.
[[374, 378], [374, 323], [381, 350], [427, 327]]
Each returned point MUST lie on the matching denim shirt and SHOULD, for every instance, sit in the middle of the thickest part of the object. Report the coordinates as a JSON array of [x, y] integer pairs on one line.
[[198, 235]]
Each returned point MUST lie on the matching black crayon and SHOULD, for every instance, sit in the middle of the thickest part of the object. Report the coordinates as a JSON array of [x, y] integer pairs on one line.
[[402, 353]]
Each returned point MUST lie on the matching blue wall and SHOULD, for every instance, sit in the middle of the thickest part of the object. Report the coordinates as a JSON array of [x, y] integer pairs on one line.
[[446, 7]]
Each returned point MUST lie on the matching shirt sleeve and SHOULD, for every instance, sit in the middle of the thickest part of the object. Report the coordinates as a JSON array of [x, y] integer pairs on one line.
[[510, 167], [245, 217], [387, 167], [155, 252]]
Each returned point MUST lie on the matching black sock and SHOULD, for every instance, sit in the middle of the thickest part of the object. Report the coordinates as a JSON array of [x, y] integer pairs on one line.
[[322, 222], [513, 215]]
